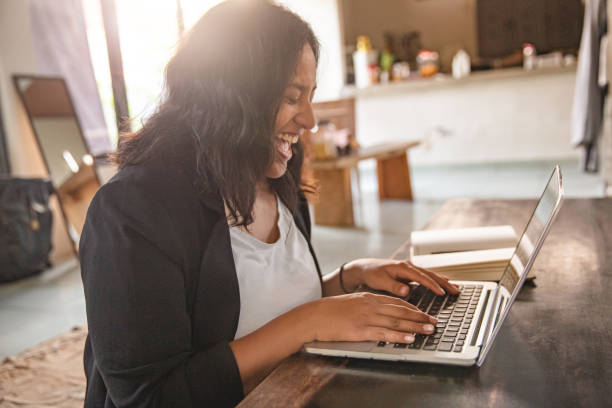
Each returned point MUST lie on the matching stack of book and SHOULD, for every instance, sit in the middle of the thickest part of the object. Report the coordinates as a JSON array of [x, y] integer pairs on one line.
[[480, 253]]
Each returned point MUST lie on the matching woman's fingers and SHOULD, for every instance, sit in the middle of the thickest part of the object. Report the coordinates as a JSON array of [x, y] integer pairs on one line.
[[407, 314], [399, 316], [395, 287], [368, 316], [389, 335], [403, 325], [404, 270], [383, 299], [442, 280]]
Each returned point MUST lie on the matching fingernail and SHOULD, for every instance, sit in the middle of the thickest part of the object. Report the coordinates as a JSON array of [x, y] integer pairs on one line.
[[404, 291], [409, 338], [428, 328]]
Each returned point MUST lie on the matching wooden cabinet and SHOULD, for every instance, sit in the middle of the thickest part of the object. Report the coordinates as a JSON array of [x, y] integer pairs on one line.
[[504, 26]]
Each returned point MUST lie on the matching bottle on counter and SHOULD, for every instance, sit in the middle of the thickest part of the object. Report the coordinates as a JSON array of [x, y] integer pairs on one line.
[[461, 64], [362, 59], [529, 56], [386, 63]]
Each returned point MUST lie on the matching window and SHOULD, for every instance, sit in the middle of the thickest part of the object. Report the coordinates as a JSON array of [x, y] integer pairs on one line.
[[148, 33]]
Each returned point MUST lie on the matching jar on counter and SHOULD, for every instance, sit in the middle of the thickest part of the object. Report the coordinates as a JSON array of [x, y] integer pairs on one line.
[[400, 71], [428, 62], [323, 141]]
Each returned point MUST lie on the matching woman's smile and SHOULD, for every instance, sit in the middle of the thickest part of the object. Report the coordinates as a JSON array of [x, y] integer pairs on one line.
[[283, 145]]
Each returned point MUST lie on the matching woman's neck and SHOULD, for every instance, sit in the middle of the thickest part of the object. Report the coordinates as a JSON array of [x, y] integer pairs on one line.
[[265, 214], [264, 188]]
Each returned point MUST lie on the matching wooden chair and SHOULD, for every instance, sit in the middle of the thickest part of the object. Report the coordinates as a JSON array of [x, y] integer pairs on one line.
[[335, 204]]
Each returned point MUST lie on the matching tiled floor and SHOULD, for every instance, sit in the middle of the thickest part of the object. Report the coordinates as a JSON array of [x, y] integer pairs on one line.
[[38, 308]]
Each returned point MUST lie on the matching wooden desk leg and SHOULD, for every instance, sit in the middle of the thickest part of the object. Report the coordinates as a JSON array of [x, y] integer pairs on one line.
[[394, 178], [335, 206]]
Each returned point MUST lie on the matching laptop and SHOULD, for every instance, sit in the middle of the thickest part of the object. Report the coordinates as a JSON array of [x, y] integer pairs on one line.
[[469, 322]]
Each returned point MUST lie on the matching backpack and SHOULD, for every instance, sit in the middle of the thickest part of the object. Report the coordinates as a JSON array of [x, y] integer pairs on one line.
[[25, 227]]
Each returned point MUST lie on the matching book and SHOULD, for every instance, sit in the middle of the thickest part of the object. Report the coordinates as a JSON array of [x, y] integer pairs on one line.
[[480, 253]]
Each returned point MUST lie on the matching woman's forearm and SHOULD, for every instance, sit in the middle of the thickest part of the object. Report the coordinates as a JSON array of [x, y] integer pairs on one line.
[[351, 279], [259, 352]]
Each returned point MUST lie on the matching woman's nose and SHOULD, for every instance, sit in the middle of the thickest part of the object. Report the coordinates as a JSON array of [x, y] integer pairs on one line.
[[306, 118]]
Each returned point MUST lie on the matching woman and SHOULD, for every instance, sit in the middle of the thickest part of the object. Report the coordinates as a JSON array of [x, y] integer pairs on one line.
[[196, 260]]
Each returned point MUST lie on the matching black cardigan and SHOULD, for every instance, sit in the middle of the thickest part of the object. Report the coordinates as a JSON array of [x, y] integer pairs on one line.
[[161, 290]]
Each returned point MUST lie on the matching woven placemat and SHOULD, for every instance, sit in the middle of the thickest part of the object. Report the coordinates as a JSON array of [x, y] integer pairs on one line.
[[47, 375]]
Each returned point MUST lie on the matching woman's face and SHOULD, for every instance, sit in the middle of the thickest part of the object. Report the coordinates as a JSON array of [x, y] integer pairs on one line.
[[295, 113]]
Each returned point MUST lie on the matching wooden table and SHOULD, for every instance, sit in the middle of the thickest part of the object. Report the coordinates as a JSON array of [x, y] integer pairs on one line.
[[335, 204], [553, 350]]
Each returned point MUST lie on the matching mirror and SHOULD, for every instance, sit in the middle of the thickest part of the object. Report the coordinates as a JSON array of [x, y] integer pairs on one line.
[[68, 159]]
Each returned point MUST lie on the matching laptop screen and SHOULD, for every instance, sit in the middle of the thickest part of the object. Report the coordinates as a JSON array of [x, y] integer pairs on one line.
[[526, 250], [534, 231]]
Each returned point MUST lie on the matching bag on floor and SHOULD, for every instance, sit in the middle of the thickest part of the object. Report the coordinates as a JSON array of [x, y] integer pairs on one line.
[[25, 227]]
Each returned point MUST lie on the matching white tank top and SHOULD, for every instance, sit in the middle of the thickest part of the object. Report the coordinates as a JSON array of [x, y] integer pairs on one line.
[[273, 278]]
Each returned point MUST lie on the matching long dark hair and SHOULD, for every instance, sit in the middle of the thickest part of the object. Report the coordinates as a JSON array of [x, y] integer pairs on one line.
[[223, 89]]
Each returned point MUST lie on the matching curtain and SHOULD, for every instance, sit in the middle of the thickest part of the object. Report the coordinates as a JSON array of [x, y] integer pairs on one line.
[[61, 49]]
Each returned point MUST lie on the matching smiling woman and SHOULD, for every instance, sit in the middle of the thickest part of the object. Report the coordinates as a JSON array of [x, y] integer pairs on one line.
[[295, 113], [196, 260]]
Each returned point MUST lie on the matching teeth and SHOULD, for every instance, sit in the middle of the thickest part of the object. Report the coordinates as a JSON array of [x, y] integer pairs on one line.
[[288, 137]]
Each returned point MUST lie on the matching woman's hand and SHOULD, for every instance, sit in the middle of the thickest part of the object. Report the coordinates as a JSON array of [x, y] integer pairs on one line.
[[391, 276], [354, 317], [366, 316]]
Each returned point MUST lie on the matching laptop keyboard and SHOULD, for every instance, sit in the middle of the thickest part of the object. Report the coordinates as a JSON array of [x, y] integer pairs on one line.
[[454, 314]]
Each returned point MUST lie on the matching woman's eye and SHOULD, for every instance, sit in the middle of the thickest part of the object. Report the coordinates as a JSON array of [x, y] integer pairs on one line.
[[291, 101]]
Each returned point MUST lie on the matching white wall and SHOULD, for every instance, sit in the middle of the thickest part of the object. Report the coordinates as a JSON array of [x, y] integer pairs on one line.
[[17, 56], [323, 16], [520, 117]]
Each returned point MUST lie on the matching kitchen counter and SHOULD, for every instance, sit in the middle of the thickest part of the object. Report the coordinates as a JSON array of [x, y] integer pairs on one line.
[[446, 80]]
